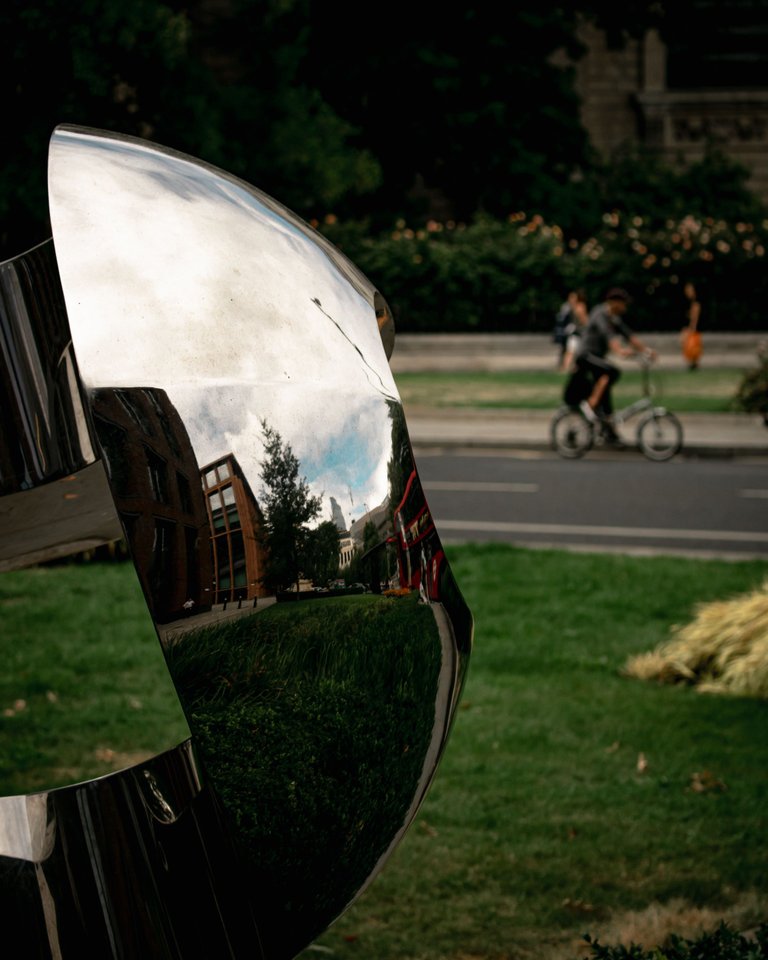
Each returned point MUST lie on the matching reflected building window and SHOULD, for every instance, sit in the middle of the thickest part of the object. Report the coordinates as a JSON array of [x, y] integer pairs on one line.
[[114, 449], [163, 567], [236, 523], [128, 401], [185, 492], [158, 482], [210, 479]]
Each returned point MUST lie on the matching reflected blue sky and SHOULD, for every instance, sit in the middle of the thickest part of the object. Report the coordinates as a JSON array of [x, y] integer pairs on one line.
[[342, 440]]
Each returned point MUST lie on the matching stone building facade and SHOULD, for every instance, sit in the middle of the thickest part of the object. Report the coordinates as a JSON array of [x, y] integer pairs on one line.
[[681, 93]]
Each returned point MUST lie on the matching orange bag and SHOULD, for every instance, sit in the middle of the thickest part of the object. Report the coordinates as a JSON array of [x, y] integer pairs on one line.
[[692, 346]]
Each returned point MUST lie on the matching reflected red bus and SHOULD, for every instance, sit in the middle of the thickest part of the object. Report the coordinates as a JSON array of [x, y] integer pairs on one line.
[[420, 556]]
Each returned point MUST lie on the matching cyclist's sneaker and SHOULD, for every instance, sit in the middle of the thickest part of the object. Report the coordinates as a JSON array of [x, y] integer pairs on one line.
[[588, 412], [610, 437]]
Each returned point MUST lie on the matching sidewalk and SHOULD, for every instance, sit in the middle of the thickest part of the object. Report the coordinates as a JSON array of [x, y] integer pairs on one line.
[[713, 435], [535, 351], [704, 435]]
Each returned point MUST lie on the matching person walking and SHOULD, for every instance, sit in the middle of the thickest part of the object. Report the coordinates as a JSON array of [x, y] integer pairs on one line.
[[569, 316], [606, 332], [579, 317], [690, 335]]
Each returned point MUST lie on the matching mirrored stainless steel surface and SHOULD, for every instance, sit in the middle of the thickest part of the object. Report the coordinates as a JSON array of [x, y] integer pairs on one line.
[[235, 372], [56, 510]]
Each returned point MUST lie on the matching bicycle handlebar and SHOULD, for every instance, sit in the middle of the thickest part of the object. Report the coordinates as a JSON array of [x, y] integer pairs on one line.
[[644, 357]]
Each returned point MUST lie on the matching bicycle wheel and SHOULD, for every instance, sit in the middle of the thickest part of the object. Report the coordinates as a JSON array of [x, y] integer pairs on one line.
[[571, 433], [660, 435]]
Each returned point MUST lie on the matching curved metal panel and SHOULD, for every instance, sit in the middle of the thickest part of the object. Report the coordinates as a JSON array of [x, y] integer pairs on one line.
[[56, 508], [236, 372]]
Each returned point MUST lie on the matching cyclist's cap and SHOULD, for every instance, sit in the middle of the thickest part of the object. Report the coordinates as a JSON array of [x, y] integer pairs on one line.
[[618, 293]]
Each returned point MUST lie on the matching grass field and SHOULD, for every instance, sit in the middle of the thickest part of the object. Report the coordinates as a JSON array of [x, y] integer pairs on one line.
[[709, 391], [571, 799]]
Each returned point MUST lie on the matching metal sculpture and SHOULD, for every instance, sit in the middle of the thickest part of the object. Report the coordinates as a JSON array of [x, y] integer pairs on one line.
[[179, 330]]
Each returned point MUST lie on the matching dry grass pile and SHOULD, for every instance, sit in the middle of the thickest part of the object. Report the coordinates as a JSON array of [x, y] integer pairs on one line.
[[724, 649], [656, 924]]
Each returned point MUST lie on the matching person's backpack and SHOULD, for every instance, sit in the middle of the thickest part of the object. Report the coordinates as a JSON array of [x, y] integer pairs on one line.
[[562, 319]]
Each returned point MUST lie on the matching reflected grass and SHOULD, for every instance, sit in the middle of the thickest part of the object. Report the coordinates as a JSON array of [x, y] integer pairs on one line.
[[84, 689]]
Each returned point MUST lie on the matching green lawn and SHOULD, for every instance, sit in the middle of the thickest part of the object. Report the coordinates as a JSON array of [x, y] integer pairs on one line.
[[566, 801], [681, 390], [539, 826]]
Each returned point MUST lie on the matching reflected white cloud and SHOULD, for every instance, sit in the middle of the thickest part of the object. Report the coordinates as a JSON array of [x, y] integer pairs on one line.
[[174, 271], [342, 440], [183, 278]]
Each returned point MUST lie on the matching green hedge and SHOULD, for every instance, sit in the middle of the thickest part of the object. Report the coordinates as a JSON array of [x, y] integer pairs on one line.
[[314, 721], [511, 275]]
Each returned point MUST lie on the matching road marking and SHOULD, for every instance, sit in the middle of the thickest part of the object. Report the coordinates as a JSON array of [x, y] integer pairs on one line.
[[578, 530], [754, 494], [481, 486]]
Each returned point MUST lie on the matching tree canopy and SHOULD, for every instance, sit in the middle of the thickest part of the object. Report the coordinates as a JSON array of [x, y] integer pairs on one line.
[[430, 110], [288, 508]]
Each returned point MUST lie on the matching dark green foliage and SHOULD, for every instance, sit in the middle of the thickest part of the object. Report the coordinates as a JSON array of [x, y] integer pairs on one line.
[[443, 98], [635, 182], [313, 720], [321, 561], [720, 944], [122, 67], [459, 113], [288, 507], [512, 274], [752, 394], [462, 118]]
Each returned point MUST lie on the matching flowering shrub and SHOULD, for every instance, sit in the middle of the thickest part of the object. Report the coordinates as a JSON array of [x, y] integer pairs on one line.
[[752, 393], [511, 275]]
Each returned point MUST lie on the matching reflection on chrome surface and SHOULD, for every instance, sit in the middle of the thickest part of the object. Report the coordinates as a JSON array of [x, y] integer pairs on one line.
[[230, 412]]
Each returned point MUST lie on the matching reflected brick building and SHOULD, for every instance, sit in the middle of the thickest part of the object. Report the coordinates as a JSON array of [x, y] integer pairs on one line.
[[236, 522], [155, 481]]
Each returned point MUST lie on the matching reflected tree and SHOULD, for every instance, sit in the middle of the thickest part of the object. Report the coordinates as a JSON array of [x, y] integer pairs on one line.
[[321, 562], [288, 509]]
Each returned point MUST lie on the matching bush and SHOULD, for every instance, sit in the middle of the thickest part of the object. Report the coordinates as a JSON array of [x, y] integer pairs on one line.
[[511, 275], [342, 693], [752, 394], [720, 944]]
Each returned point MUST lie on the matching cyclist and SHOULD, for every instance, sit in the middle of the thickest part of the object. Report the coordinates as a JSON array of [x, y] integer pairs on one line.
[[606, 332]]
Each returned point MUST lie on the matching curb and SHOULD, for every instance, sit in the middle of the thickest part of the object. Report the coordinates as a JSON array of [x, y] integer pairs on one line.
[[720, 436]]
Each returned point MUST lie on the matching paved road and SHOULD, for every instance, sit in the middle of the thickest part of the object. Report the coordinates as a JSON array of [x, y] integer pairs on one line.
[[702, 508]]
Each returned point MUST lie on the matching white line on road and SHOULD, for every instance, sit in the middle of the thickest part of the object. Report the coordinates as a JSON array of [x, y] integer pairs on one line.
[[754, 494], [481, 486], [578, 530]]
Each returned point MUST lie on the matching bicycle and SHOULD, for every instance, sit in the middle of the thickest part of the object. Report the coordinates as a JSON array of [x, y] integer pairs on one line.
[[659, 433]]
